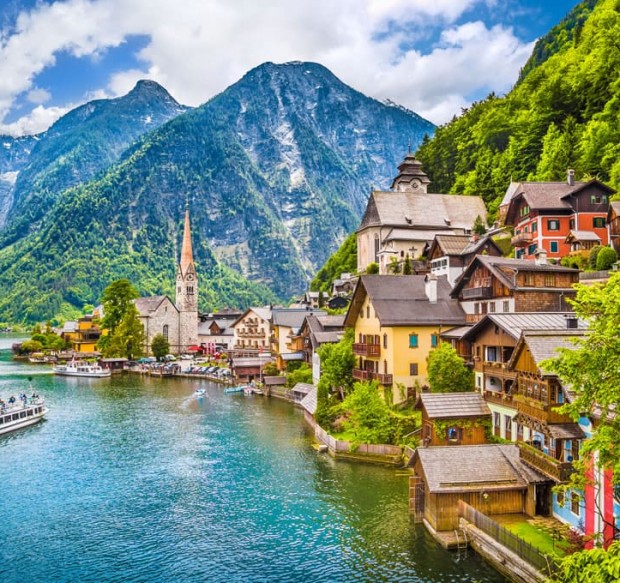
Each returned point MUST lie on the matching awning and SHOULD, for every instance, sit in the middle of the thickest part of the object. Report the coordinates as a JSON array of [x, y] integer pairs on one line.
[[194, 348], [566, 431]]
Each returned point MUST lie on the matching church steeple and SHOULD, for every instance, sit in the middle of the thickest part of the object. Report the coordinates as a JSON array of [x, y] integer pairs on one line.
[[187, 290], [187, 257], [411, 177]]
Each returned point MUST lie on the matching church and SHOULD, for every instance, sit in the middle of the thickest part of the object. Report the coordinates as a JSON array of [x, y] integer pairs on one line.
[[177, 321]]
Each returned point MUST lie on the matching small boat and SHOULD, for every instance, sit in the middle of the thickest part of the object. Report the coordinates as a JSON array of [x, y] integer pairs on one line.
[[200, 392], [18, 413], [238, 389], [81, 369]]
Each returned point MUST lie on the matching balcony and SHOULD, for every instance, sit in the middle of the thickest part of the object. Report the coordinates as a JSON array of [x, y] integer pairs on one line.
[[361, 375], [498, 369], [555, 469], [522, 240], [498, 398], [539, 410], [384, 379], [478, 293], [362, 349]]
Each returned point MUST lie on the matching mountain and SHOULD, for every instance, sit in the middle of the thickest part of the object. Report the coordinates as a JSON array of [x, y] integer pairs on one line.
[[277, 169], [563, 113], [14, 155], [82, 143]]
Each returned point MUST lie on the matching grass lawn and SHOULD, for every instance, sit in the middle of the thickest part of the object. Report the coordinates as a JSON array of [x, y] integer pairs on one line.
[[538, 538]]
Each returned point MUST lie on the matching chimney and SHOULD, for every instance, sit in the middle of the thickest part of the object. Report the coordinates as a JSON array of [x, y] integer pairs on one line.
[[541, 257], [430, 287], [571, 321], [570, 177]]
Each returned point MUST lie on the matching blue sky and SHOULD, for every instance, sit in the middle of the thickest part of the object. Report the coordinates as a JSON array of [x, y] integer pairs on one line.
[[432, 56]]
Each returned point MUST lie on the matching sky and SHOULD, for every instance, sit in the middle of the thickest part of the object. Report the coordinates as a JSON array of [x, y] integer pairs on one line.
[[434, 57]]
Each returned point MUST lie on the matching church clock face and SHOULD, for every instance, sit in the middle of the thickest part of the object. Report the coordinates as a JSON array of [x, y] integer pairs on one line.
[[190, 277], [415, 183]]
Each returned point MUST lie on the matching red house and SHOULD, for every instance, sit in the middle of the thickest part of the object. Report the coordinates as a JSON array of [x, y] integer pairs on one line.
[[554, 215]]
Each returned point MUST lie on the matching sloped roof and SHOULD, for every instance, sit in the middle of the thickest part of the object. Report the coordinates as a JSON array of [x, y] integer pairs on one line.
[[452, 244], [309, 401], [264, 313], [418, 209], [583, 236], [475, 468], [70, 326], [413, 234], [149, 304], [303, 388], [514, 324], [454, 405], [566, 431], [544, 344], [505, 268], [292, 317], [457, 333], [401, 300]]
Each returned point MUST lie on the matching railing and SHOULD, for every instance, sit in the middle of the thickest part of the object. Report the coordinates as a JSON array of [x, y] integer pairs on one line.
[[478, 293], [497, 397], [361, 375], [499, 369], [521, 240], [384, 379], [363, 349], [539, 410], [555, 469], [517, 545]]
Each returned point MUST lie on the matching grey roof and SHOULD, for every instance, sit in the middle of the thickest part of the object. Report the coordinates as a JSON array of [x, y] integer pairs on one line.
[[303, 388], [418, 209], [515, 324], [70, 326], [224, 325], [401, 300], [583, 236], [292, 317], [453, 244], [309, 401], [454, 405], [275, 380], [293, 355], [544, 344], [457, 332], [325, 329], [149, 304], [475, 468], [566, 431]]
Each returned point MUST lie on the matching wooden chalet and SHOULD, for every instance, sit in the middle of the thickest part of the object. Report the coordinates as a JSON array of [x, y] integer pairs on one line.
[[613, 223], [504, 285], [491, 478], [453, 418], [316, 330]]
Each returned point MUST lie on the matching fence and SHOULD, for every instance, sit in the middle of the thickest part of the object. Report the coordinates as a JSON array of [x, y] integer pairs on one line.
[[523, 549]]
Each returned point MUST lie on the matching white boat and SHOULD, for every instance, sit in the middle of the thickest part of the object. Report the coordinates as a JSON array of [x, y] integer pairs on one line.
[[21, 413], [81, 369], [200, 392]]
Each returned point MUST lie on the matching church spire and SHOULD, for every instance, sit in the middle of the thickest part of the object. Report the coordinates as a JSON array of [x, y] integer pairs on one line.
[[187, 257]]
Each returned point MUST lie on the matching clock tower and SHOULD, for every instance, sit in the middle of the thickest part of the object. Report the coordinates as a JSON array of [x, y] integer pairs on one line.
[[187, 291]]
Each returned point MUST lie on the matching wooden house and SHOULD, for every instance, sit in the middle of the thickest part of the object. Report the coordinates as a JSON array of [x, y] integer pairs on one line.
[[315, 331], [545, 213], [453, 418], [502, 285], [285, 327], [397, 320], [613, 224], [491, 478]]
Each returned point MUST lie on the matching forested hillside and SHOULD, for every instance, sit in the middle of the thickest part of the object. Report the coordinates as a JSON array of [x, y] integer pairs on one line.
[[564, 113]]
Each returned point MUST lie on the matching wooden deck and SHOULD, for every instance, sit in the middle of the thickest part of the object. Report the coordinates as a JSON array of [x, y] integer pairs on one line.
[[446, 538]]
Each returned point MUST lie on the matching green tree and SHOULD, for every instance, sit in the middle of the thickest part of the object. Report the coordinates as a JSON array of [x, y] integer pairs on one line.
[[117, 300], [270, 369], [447, 372], [606, 258], [127, 339], [368, 415], [160, 346], [29, 346], [372, 269], [602, 566], [591, 370], [407, 267], [303, 374], [479, 227], [337, 360], [593, 256]]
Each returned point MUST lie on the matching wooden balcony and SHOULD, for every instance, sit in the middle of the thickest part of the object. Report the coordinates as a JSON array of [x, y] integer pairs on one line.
[[555, 469], [363, 349], [384, 379], [498, 398], [498, 369], [478, 293], [362, 375], [540, 411], [522, 240]]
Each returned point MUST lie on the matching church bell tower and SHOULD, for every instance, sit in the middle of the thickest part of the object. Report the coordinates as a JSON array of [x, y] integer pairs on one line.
[[187, 291]]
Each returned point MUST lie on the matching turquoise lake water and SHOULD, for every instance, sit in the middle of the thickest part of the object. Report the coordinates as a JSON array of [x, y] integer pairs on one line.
[[134, 479]]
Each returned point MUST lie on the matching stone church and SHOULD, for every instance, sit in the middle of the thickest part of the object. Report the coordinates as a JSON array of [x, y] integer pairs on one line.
[[177, 321]]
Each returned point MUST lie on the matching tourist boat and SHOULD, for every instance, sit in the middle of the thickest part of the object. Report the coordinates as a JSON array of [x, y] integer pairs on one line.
[[81, 369], [21, 413], [200, 392]]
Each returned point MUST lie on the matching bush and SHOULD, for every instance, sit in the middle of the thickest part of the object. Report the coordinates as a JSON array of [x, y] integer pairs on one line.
[[606, 258], [372, 269], [593, 256]]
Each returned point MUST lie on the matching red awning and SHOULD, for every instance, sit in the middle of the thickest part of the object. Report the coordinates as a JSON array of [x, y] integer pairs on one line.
[[194, 348]]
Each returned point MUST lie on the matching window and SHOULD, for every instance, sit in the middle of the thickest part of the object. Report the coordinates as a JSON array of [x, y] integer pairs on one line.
[[531, 249], [385, 341], [491, 307], [553, 225], [413, 340], [508, 423], [598, 222], [595, 199], [575, 499], [476, 308], [525, 210], [529, 279], [368, 311], [165, 331], [549, 280], [553, 247], [491, 354], [496, 419], [377, 246], [571, 224], [190, 289], [413, 369], [453, 433], [534, 227], [433, 340], [605, 199], [506, 306]]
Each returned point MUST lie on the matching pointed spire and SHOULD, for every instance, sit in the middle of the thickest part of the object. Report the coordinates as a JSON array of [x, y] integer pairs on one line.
[[187, 257]]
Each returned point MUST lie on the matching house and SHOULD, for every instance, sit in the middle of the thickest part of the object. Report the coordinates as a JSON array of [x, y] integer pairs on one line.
[[249, 368], [285, 326], [454, 418], [316, 330], [83, 334], [215, 331], [450, 254], [613, 224], [252, 330], [491, 478], [544, 214], [397, 320], [403, 222], [344, 285], [504, 285]]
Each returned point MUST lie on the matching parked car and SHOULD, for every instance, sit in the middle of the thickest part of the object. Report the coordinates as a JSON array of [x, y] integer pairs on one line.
[[186, 357]]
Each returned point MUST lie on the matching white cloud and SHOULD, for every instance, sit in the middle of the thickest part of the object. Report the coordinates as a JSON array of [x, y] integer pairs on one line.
[[198, 48], [38, 95], [37, 121]]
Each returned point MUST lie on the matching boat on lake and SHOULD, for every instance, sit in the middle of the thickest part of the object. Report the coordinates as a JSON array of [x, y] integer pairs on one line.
[[200, 392], [81, 369], [18, 413], [238, 389]]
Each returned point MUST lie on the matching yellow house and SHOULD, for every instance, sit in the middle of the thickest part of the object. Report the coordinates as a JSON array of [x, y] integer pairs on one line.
[[83, 334], [397, 321]]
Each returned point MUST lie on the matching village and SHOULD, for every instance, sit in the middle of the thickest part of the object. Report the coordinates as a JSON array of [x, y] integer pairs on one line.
[[481, 460]]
